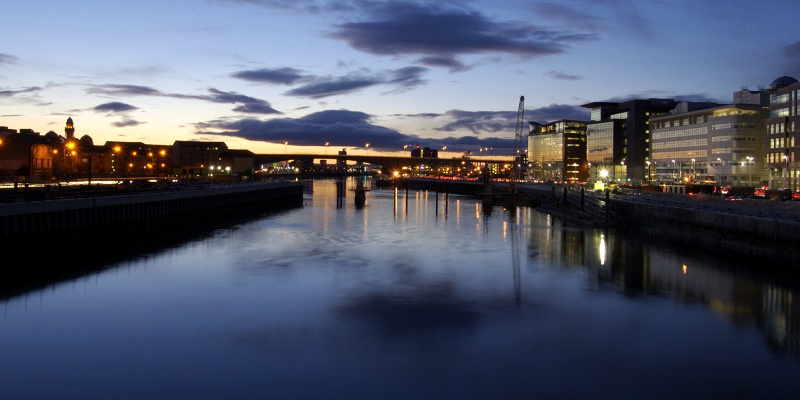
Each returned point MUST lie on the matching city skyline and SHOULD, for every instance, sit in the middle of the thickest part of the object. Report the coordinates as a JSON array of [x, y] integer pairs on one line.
[[264, 75]]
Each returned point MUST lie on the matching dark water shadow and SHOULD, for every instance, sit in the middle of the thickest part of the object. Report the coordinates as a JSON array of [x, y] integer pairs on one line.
[[36, 263]]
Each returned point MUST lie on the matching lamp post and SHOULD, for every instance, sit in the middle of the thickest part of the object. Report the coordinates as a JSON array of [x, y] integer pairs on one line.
[[326, 148], [786, 171], [285, 145], [719, 170], [694, 171], [648, 172], [676, 176], [604, 176], [749, 178]]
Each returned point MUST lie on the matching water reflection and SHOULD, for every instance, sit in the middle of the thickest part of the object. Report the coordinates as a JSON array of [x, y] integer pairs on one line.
[[408, 298]]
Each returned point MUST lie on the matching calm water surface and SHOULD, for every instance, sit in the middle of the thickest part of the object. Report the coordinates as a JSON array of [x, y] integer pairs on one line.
[[407, 298]]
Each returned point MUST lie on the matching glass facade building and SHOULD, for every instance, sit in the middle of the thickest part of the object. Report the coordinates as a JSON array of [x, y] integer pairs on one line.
[[711, 143], [557, 151], [618, 138], [782, 131]]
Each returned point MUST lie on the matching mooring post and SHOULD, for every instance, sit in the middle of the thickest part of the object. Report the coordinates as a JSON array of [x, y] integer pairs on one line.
[[339, 194], [583, 199]]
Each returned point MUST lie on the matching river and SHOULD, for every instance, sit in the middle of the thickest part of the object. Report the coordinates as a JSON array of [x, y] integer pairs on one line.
[[417, 295]]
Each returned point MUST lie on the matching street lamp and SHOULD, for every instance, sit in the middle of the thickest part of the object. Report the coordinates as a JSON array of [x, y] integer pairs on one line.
[[786, 171], [749, 178], [648, 171], [719, 170], [326, 148], [367, 147], [694, 171], [285, 145]]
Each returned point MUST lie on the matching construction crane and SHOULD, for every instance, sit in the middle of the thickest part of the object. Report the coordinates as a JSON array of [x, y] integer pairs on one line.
[[518, 138]]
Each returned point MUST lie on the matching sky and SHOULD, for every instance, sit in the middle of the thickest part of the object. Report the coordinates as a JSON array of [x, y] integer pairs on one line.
[[272, 76]]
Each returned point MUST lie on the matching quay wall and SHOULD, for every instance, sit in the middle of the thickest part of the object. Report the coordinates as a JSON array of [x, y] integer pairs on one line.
[[141, 212], [776, 236]]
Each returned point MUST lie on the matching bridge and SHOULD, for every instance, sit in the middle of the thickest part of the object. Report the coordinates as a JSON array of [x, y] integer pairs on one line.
[[391, 163]]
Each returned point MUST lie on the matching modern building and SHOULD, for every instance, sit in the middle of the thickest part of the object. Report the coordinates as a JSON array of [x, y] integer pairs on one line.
[[708, 142], [782, 133], [618, 137], [557, 151]]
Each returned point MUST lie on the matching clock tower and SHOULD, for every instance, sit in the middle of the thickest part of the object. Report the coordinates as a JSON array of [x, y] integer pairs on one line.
[[70, 129]]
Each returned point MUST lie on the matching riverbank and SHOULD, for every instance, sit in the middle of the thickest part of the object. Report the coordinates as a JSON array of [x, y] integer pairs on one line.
[[141, 212]]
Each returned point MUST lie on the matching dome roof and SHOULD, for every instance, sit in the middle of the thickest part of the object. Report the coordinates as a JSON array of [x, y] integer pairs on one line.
[[782, 82], [69, 120]]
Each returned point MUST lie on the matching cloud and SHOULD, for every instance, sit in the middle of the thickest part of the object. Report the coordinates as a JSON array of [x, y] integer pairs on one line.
[[282, 76], [791, 53], [555, 112], [440, 34], [10, 93], [341, 128], [244, 104], [320, 87], [479, 122], [325, 87], [447, 62], [114, 107], [7, 59], [570, 16], [563, 76], [123, 90], [126, 123]]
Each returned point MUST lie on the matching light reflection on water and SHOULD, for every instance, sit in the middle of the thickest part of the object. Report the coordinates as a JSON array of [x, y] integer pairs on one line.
[[402, 299]]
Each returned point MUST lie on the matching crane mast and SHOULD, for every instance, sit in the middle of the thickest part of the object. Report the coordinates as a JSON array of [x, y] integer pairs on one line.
[[518, 137]]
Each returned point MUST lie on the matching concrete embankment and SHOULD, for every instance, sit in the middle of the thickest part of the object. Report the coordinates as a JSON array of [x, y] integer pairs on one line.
[[718, 229], [142, 212]]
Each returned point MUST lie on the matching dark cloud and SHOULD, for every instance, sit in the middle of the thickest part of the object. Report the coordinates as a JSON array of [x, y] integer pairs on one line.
[[555, 112], [399, 28], [9, 93], [282, 76], [347, 129], [563, 76], [114, 107], [325, 87], [791, 53], [654, 94], [479, 122], [7, 59], [408, 77], [446, 62], [123, 90], [245, 104], [341, 128], [126, 123], [320, 87], [570, 16]]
